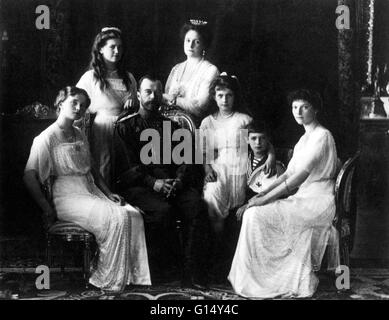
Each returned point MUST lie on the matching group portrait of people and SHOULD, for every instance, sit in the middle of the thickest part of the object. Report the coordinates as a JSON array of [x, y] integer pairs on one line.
[[92, 158]]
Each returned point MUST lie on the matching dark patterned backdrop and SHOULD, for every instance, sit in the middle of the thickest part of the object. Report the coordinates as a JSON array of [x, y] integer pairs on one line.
[[271, 45]]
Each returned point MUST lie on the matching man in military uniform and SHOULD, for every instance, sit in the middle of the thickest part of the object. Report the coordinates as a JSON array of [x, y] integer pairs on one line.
[[165, 192]]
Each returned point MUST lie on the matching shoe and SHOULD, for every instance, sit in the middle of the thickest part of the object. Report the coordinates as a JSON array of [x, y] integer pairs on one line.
[[112, 292]]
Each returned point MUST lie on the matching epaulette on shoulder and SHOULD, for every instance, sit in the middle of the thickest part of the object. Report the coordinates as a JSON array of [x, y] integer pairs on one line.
[[129, 116]]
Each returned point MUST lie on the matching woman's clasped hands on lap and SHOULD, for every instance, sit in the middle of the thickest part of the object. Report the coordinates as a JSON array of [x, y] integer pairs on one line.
[[256, 201]]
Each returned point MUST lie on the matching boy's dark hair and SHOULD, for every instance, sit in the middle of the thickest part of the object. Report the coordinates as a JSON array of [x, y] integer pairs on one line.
[[257, 127]]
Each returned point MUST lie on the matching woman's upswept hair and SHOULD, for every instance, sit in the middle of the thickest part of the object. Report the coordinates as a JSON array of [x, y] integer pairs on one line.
[[224, 81], [201, 29], [97, 61], [311, 96], [64, 93]]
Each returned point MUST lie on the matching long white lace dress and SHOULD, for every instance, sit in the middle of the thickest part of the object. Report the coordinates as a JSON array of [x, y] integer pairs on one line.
[[281, 244], [119, 230], [107, 105], [226, 136]]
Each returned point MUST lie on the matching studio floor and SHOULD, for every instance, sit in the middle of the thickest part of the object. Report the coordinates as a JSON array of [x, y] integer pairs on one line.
[[365, 284], [20, 256], [17, 281]]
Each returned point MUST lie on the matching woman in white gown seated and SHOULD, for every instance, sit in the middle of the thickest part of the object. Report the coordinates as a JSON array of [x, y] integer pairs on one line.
[[187, 86], [61, 154], [284, 234]]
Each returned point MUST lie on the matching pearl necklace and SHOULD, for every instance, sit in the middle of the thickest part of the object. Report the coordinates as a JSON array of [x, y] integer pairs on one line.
[[226, 116]]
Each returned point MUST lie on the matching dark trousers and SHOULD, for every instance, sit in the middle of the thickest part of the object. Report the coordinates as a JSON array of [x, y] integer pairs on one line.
[[161, 214]]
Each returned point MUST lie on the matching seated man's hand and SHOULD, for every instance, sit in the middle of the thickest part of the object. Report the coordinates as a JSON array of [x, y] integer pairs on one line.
[[177, 185], [240, 211], [163, 185]]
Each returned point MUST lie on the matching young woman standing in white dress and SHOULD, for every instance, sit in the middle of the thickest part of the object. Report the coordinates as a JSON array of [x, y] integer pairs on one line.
[[111, 89]]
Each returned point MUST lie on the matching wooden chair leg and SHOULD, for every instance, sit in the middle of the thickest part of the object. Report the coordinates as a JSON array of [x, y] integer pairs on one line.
[[62, 260], [86, 265], [49, 259], [181, 253], [345, 254]]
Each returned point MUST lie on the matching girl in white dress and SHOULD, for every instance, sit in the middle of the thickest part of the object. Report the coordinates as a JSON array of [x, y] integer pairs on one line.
[[111, 89], [187, 86], [61, 153], [226, 141], [282, 241]]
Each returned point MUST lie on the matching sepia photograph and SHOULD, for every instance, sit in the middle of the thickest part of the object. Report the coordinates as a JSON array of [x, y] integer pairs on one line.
[[207, 150]]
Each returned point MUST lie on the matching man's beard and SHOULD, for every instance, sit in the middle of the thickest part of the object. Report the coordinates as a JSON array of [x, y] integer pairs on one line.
[[151, 105]]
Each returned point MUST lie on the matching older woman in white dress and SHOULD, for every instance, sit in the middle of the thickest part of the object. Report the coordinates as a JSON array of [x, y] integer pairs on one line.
[[282, 240], [61, 152], [187, 86]]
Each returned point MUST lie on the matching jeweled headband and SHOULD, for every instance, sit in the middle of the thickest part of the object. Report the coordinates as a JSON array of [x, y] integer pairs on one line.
[[106, 29], [197, 22]]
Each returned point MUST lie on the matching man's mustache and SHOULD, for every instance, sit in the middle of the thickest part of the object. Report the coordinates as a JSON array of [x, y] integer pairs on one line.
[[154, 102]]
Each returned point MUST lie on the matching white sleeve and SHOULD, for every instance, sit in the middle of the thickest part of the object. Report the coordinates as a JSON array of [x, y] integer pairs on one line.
[[85, 82], [207, 136], [314, 152], [198, 105], [40, 159], [170, 79]]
